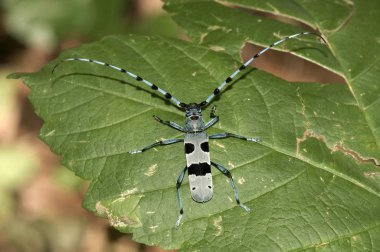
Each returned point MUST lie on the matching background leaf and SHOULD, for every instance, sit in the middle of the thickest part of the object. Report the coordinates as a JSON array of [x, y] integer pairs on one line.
[[43, 23], [312, 183]]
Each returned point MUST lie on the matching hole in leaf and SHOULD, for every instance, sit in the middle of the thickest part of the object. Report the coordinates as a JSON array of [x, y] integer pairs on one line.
[[285, 65], [265, 14], [290, 67]]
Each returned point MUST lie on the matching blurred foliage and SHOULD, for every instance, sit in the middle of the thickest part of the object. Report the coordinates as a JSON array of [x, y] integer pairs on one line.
[[54, 235], [8, 93], [17, 166], [46, 23], [67, 179], [18, 163]]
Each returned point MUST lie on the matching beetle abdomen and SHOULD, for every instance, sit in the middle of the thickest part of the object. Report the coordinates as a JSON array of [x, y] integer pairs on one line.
[[201, 187]]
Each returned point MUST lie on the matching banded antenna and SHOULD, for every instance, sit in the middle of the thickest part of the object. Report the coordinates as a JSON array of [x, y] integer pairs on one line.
[[165, 94], [174, 100], [242, 67]]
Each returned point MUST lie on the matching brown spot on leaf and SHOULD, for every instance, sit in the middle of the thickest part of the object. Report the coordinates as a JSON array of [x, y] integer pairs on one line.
[[355, 155]]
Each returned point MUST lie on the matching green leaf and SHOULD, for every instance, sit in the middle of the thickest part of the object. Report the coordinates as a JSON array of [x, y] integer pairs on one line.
[[344, 24], [312, 182]]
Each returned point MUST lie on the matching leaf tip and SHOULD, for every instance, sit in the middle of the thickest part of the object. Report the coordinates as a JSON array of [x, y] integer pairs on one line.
[[15, 76]]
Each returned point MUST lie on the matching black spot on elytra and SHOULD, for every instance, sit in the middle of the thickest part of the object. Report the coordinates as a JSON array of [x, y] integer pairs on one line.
[[200, 169], [189, 148], [205, 147]]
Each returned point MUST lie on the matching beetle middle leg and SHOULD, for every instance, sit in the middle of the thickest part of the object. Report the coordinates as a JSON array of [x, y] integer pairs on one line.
[[227, 135]]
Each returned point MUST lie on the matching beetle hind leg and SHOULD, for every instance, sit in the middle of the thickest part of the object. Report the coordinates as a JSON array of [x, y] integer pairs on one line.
[[226, 172], [178, 185]]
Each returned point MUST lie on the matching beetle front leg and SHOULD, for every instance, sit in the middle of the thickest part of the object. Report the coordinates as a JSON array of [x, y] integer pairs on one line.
[[163, 142]]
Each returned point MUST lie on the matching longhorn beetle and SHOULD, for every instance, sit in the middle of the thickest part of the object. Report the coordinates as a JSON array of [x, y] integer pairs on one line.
[[198, 163]]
